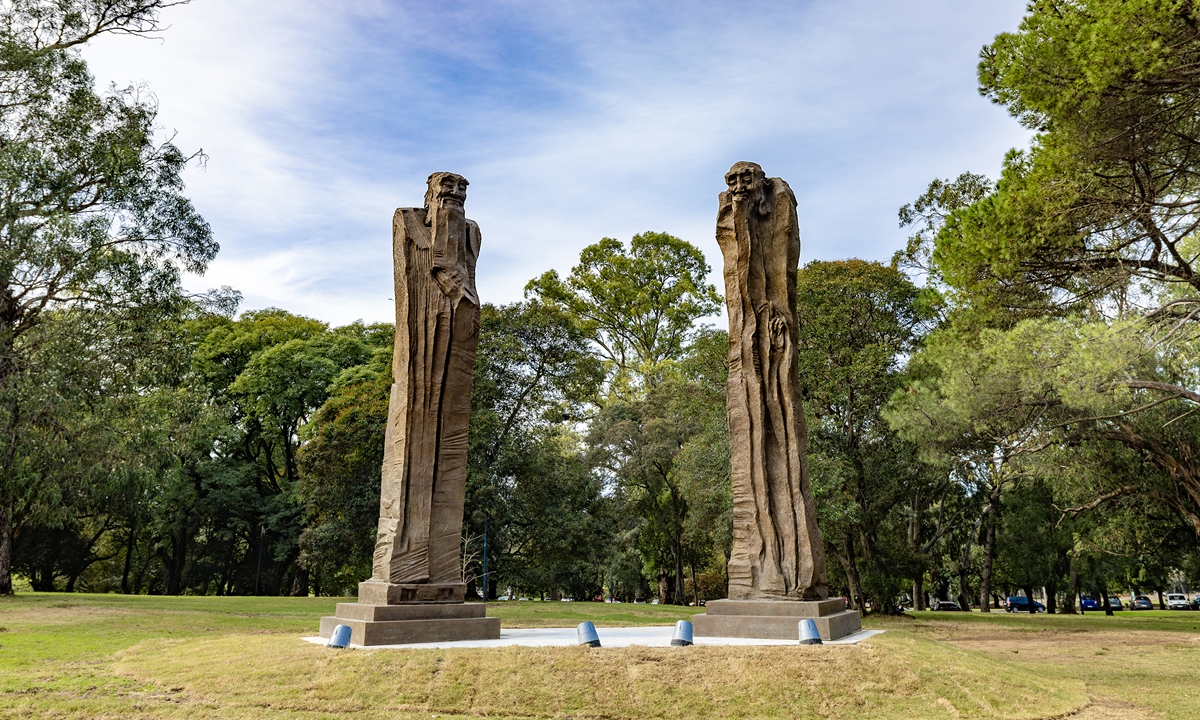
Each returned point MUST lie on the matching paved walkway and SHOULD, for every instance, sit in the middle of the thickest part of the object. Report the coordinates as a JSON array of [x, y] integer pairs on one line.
[[649, 636]]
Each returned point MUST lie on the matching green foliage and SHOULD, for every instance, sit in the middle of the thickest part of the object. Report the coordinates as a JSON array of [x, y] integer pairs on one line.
[[339, 480], [1106, 197], [533, 373], [858, 321], [92, 213], [638, 306]]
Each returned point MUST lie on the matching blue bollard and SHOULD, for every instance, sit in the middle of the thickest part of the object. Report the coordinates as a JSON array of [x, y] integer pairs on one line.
[[808, 633], [587, 634], [340, 638], [683, 634]]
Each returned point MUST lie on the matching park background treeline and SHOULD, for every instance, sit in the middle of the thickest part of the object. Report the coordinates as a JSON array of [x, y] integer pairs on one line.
[[1007, 406]]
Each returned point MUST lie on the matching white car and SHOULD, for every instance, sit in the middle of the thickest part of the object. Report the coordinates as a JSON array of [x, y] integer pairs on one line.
[[1178, 601]]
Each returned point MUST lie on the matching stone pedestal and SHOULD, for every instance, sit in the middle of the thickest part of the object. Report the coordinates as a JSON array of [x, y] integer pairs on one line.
[[775, 619], [395, 614], [377, 592]]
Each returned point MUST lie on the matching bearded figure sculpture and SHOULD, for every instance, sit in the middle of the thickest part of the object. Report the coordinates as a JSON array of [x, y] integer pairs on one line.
[[416, 592], [425, 453], [777, 552]]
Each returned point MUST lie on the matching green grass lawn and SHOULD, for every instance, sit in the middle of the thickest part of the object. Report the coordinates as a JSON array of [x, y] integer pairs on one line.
[[97, 656]]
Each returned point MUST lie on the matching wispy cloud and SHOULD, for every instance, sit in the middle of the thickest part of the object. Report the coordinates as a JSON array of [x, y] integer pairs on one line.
[[573, 121]]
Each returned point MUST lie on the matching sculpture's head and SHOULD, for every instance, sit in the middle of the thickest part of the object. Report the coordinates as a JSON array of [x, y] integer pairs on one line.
[[745, 179], [445, 188], [748, 183]]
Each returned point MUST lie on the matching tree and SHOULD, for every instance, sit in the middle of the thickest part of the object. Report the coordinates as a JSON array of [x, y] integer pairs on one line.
[[972, 405], [667, 455], [534, 373], [1107, 196], [1031, 548], [340, 465], [858, 322], [92, 211], [639, 306]]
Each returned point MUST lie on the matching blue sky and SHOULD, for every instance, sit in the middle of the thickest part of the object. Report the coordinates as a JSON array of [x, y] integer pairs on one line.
[[573, 121]]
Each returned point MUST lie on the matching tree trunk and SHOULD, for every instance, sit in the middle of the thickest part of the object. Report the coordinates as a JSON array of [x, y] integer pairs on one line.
[[663, 586], [918, 592], [300, 582], [695, 588], [1102, 596], [985, 573], [128, 559], [1051, 597], [1029, 596], [989, 552], [680, 594], [9, 316], [174, 580], [1072, 590], [6, 544], [1161, 605], [851, 567]]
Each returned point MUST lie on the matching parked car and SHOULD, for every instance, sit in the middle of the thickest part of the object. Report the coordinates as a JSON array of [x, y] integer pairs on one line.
[[1178, 601], [1088, 602], [945, 605], [1196, 603], [1141, 602], [1116, 604], [1018, 603]]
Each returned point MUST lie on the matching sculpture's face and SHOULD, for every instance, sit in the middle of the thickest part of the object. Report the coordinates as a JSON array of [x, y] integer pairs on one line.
[[451, 189], [743, 180]]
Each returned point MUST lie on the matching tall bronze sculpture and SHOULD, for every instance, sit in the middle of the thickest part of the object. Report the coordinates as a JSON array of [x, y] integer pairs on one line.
[[777, 563], [416, 591], [425, 446]]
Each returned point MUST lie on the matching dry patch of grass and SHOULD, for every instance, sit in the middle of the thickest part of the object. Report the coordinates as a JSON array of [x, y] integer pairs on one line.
[[896, 677], [89, 656], [1130, 673]]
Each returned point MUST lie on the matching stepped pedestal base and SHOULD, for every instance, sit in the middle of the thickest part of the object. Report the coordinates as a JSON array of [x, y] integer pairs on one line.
[[775, 619], [409, 618]]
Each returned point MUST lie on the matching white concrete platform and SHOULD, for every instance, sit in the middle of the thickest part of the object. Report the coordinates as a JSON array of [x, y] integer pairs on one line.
[[648, 636]]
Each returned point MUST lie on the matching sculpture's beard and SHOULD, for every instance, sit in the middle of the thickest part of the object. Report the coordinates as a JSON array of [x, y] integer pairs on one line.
[[448, 230], [446, 208]]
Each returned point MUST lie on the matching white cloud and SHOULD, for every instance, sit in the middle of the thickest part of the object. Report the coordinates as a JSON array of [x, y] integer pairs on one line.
[[572, 121]]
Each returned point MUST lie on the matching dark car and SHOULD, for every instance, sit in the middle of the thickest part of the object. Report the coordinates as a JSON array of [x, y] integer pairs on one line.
[[1141, 602], [1016, 603], [1115, 603], [1089, 603], [945, 605]]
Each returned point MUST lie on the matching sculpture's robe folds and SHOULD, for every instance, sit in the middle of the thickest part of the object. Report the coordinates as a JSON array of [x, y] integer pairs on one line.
[[777, 550], [425, 453]]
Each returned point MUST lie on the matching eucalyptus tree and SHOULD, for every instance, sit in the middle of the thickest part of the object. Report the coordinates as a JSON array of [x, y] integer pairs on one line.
[[859, 321], [638, 306], [91, 206]]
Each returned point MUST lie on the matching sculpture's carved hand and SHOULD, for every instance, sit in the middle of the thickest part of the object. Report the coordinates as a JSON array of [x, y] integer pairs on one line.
[[450, 282], [779, 331]]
